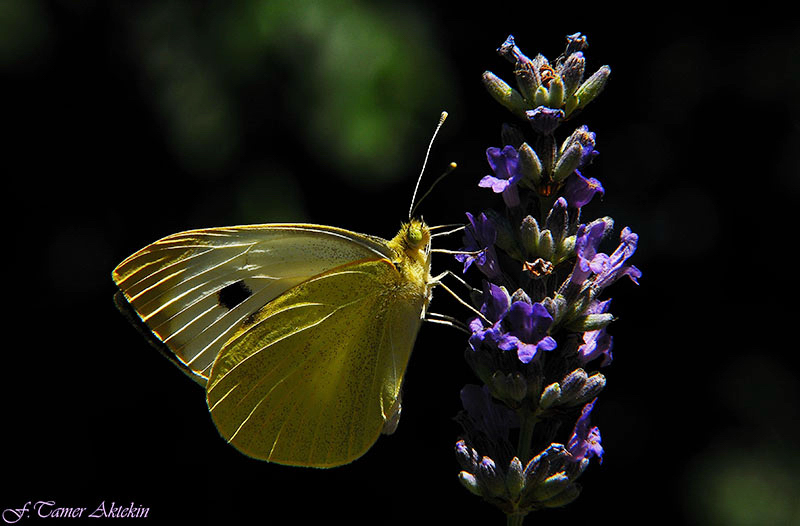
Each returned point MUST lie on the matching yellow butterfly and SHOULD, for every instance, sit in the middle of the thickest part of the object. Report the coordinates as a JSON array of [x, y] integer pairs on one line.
[[300, 333]]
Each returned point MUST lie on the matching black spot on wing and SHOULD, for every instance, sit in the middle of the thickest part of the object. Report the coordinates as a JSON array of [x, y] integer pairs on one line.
[[234, 294]]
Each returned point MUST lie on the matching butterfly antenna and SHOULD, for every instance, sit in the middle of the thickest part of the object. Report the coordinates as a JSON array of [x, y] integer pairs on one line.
[[447, 172], [430, 145]]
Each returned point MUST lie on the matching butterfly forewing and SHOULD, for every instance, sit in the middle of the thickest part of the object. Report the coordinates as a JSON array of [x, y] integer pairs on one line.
[[195, 289], [313, 376]]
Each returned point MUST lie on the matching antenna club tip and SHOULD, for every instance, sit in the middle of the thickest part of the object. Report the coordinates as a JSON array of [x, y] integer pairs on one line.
[[453, 166], [443, 117]]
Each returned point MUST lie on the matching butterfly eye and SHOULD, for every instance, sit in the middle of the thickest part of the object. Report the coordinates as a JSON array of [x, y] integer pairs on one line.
[[414, 235]]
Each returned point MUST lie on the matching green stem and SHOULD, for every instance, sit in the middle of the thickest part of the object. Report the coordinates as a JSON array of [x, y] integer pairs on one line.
[[527, 421]]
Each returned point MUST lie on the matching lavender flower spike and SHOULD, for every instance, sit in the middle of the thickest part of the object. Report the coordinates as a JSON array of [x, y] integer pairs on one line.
[[541, 336]]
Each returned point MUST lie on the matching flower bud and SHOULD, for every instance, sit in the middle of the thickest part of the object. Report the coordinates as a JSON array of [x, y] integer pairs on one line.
[[591, 322], [556, 306], [594, 384], [543, 464], [540, 96], [551, 486], [515, 480], [565, 249], [527, 82], [536, 470], [571, 105], [504, 94], [566, 496], [466, 456], [556, 89], [590, 89], [577, 305], [586, 139], [550, 395], [530, 166], [470, 482], [491, 477], [558, 220], [521, 295], [572, 72], [529, 235], [572, 384], [568, 162], [546, 245]]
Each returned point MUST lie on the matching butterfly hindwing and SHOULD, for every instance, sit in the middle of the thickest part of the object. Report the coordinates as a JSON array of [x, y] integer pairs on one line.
[[311, 382]]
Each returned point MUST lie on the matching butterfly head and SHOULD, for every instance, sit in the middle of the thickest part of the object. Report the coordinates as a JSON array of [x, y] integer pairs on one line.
[[413, 243], [417, 234]]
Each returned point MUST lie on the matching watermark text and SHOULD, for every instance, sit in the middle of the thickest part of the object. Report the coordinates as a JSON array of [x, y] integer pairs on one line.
[[48, 509]]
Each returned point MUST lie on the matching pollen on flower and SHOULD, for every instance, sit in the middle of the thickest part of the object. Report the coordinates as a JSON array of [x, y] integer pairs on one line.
[[546, 190], [547, 74], [538, 268]]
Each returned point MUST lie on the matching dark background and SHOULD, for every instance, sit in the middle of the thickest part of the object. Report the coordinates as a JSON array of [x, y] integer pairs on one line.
[[128, 121]]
